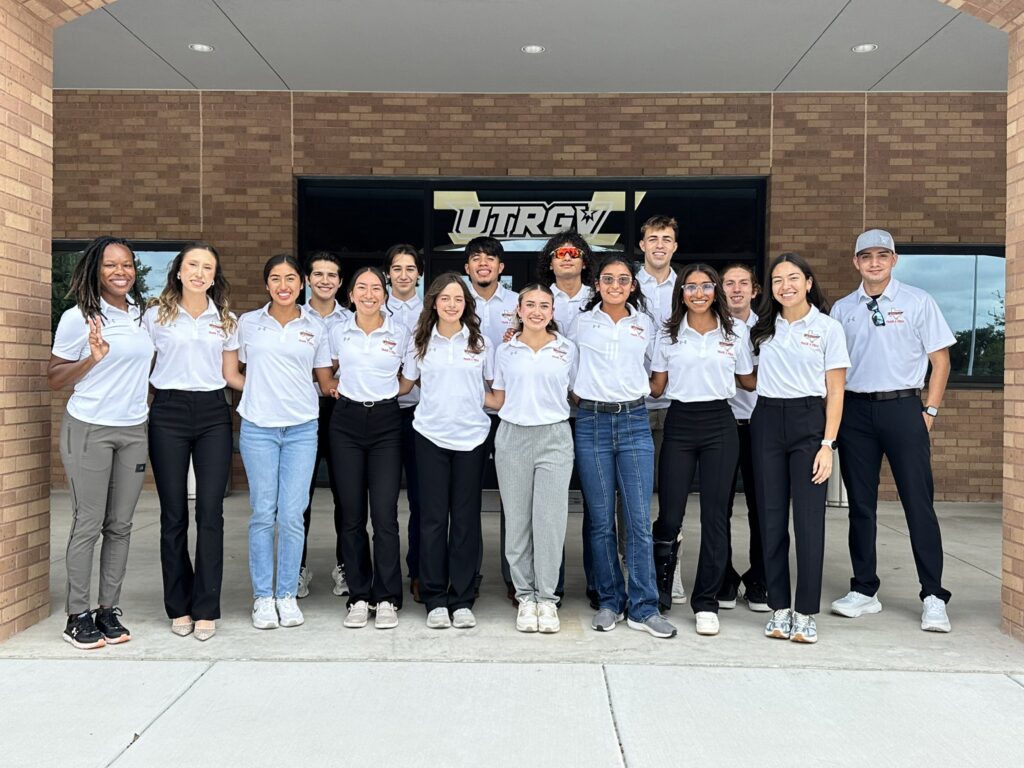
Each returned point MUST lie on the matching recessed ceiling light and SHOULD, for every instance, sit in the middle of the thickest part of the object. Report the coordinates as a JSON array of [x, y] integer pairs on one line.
[[533, 49], [865, 48], [200, 47]]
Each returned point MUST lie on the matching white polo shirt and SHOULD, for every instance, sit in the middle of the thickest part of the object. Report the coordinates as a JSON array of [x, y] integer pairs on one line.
[[702, 367], [336, 316], [113, 393], [659, 304], [496, 315], [567, 307], [451, 410], [190, 351], [407, 314], [893, 356], [368, 364], [793, 362], [279, 361], [536, 384], [743, 402], [612, 355]]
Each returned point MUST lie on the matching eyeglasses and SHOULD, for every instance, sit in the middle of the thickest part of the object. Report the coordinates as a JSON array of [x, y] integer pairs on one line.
[[876, 314], [691, 289], [622, 280], [567, 252]]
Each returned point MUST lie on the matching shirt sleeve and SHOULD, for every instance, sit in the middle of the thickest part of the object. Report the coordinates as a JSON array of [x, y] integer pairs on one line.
[[935, 331], [499, 376], [322, 355], [488, 363], [231, 342], [71, 341], [575, 365], [659, 360], [410, 365], [836, 355], [744, 354], [242, 332]]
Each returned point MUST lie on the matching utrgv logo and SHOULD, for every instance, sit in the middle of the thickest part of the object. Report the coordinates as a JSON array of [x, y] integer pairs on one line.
[[527, 219]]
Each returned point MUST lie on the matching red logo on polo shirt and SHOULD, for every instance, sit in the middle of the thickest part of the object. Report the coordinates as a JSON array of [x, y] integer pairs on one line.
[[307, 337], [217, 330], [895, 316], [637, 331], [811, 339], [726, 348]]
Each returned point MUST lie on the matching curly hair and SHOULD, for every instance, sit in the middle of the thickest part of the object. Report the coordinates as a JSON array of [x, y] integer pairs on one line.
[[170, 297]]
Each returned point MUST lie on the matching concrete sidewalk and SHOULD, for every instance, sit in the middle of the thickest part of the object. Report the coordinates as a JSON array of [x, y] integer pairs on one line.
[[876, 690]]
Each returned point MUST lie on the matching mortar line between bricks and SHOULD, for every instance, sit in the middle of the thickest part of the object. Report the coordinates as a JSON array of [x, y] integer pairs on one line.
[[611, 711], [158, 715], [864, 189]]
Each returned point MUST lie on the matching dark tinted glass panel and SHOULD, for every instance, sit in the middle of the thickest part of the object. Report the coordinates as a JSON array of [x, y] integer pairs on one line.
[[364, 219]]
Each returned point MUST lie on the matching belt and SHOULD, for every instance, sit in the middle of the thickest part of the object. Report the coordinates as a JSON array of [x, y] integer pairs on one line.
[[896, 394], [742, 422], [593, 405], [366, 403]]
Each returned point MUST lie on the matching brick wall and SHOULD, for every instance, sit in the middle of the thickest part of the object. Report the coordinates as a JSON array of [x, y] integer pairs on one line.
[[26, 156]]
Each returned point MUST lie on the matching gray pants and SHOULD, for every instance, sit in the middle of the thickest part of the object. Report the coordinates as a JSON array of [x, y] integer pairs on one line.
[[534, 465], [105, 468]]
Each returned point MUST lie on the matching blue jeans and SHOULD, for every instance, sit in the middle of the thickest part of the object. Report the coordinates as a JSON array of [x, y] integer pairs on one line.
[[279, 464], [616, 450]]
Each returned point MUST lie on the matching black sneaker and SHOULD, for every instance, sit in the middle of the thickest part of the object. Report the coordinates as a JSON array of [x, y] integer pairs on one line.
[[113, 630], [81, 632], [727, 595], [757, 598]]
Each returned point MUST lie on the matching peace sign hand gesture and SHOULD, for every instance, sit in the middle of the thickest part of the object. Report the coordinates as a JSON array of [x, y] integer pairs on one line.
[[98, 348]]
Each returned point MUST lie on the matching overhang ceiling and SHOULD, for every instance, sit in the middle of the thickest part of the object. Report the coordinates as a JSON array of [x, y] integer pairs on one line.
[[474, 46]]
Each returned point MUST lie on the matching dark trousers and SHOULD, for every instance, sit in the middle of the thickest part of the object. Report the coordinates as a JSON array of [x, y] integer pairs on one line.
[[366, 451], [896, 429], [704, 434], [588, 557], [197, 426], [506, 572], [786, 435], [754, 575], [412, 491], [449, 523], [323, 452]]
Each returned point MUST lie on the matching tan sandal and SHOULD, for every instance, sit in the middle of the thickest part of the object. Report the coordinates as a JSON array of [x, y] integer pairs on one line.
[[205, 629], [182, 626]]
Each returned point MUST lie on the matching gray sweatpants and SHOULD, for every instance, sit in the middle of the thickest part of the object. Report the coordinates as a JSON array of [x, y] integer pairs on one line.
[[105, 468], [534, 465]]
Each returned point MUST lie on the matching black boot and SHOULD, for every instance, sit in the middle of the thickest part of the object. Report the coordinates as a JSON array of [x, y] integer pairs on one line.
[[665, 554]]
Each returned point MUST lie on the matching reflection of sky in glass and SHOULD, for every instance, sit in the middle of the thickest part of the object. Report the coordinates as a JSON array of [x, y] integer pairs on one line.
[[158, 262], [948, 278]]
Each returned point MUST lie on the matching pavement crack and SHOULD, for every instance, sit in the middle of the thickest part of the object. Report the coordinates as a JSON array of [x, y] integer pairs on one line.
[[1015, 680], [611, 711]]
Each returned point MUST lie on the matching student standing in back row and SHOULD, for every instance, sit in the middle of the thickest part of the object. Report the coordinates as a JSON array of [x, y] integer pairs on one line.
[[894, 331], [800, 377]]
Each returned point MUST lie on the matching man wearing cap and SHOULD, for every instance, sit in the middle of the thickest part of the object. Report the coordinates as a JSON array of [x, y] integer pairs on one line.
[[893, 331]]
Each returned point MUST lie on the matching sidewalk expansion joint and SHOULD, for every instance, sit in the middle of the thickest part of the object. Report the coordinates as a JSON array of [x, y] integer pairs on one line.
[[611, 711]]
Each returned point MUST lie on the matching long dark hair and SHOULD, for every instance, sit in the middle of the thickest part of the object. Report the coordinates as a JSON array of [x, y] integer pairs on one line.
[[636, 297], [283, 258], [546, 275], [218, 291], [383, 283], [84, 288], [552, 326], [719, 307], [428, 316], [769, 309]]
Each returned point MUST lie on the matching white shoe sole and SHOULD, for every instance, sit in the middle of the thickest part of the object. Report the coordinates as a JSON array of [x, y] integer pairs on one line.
[[759, 607], [936, 627], [84, 646], [549, 629], [777, 634], [797, 637], [340, 591], [528, 628], [464, 624], [727, 604], [265, 624], [390, 624], [854, 613], [641, 626], [439, 626], [297, 622]]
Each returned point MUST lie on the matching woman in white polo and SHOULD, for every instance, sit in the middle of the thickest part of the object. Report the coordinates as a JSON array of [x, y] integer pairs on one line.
[[534, 454], [697, 359], [196, 342], [366, 448], [102, 351], [450, 359], [800, 378], [281, 344]]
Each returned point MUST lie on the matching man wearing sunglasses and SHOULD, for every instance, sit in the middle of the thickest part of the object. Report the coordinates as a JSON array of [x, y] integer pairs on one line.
[[893, 332]]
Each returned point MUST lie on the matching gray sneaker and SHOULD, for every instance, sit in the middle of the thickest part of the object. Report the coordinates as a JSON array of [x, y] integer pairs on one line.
[[655, 624], [463, 618], [780, 625], [804, 629], [605, 620]]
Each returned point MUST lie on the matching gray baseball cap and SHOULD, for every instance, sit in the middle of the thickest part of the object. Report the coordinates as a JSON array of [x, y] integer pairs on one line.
[[875, 238]]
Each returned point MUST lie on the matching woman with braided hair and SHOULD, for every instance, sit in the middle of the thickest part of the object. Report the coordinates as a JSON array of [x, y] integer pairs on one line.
[[103, 353]]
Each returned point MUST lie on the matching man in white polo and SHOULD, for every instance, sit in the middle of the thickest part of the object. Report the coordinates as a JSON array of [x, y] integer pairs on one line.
[[893, 331]]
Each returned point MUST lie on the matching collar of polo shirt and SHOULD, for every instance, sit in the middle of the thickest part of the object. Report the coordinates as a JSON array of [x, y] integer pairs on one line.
[[385, 327], [499, 293], [516, 342], [685, 326], [632, 313], [805, 320], [211, 308], [889, 293], [643, 276], [463, 332]]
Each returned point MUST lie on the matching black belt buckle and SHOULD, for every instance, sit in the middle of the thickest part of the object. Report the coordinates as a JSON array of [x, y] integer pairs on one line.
[[368, 404]]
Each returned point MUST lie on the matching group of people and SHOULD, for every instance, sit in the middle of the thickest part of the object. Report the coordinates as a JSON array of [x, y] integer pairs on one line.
[[631, 375]]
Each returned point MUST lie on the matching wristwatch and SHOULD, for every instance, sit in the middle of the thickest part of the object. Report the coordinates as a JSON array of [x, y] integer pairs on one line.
[[829, 444], [931, 410]]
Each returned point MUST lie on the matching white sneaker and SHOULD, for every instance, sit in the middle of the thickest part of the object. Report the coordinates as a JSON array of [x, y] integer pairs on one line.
[[264, 614], [804, 630], [463, 618], [933, 617], [526, 619], [855, 604], [678, 591], [340, 585], [387, 616], [305, 576], [358, 615], [288, 610], [439, 619], [707, 622], [547, 619]]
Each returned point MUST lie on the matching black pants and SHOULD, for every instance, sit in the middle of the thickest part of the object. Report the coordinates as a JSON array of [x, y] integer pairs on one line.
[[896, 429], [450, 485], [506, 572], [366, 451], [197, 426], [703, 433], [323, 452], [412, 491], [754, 575], [786, 435]]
